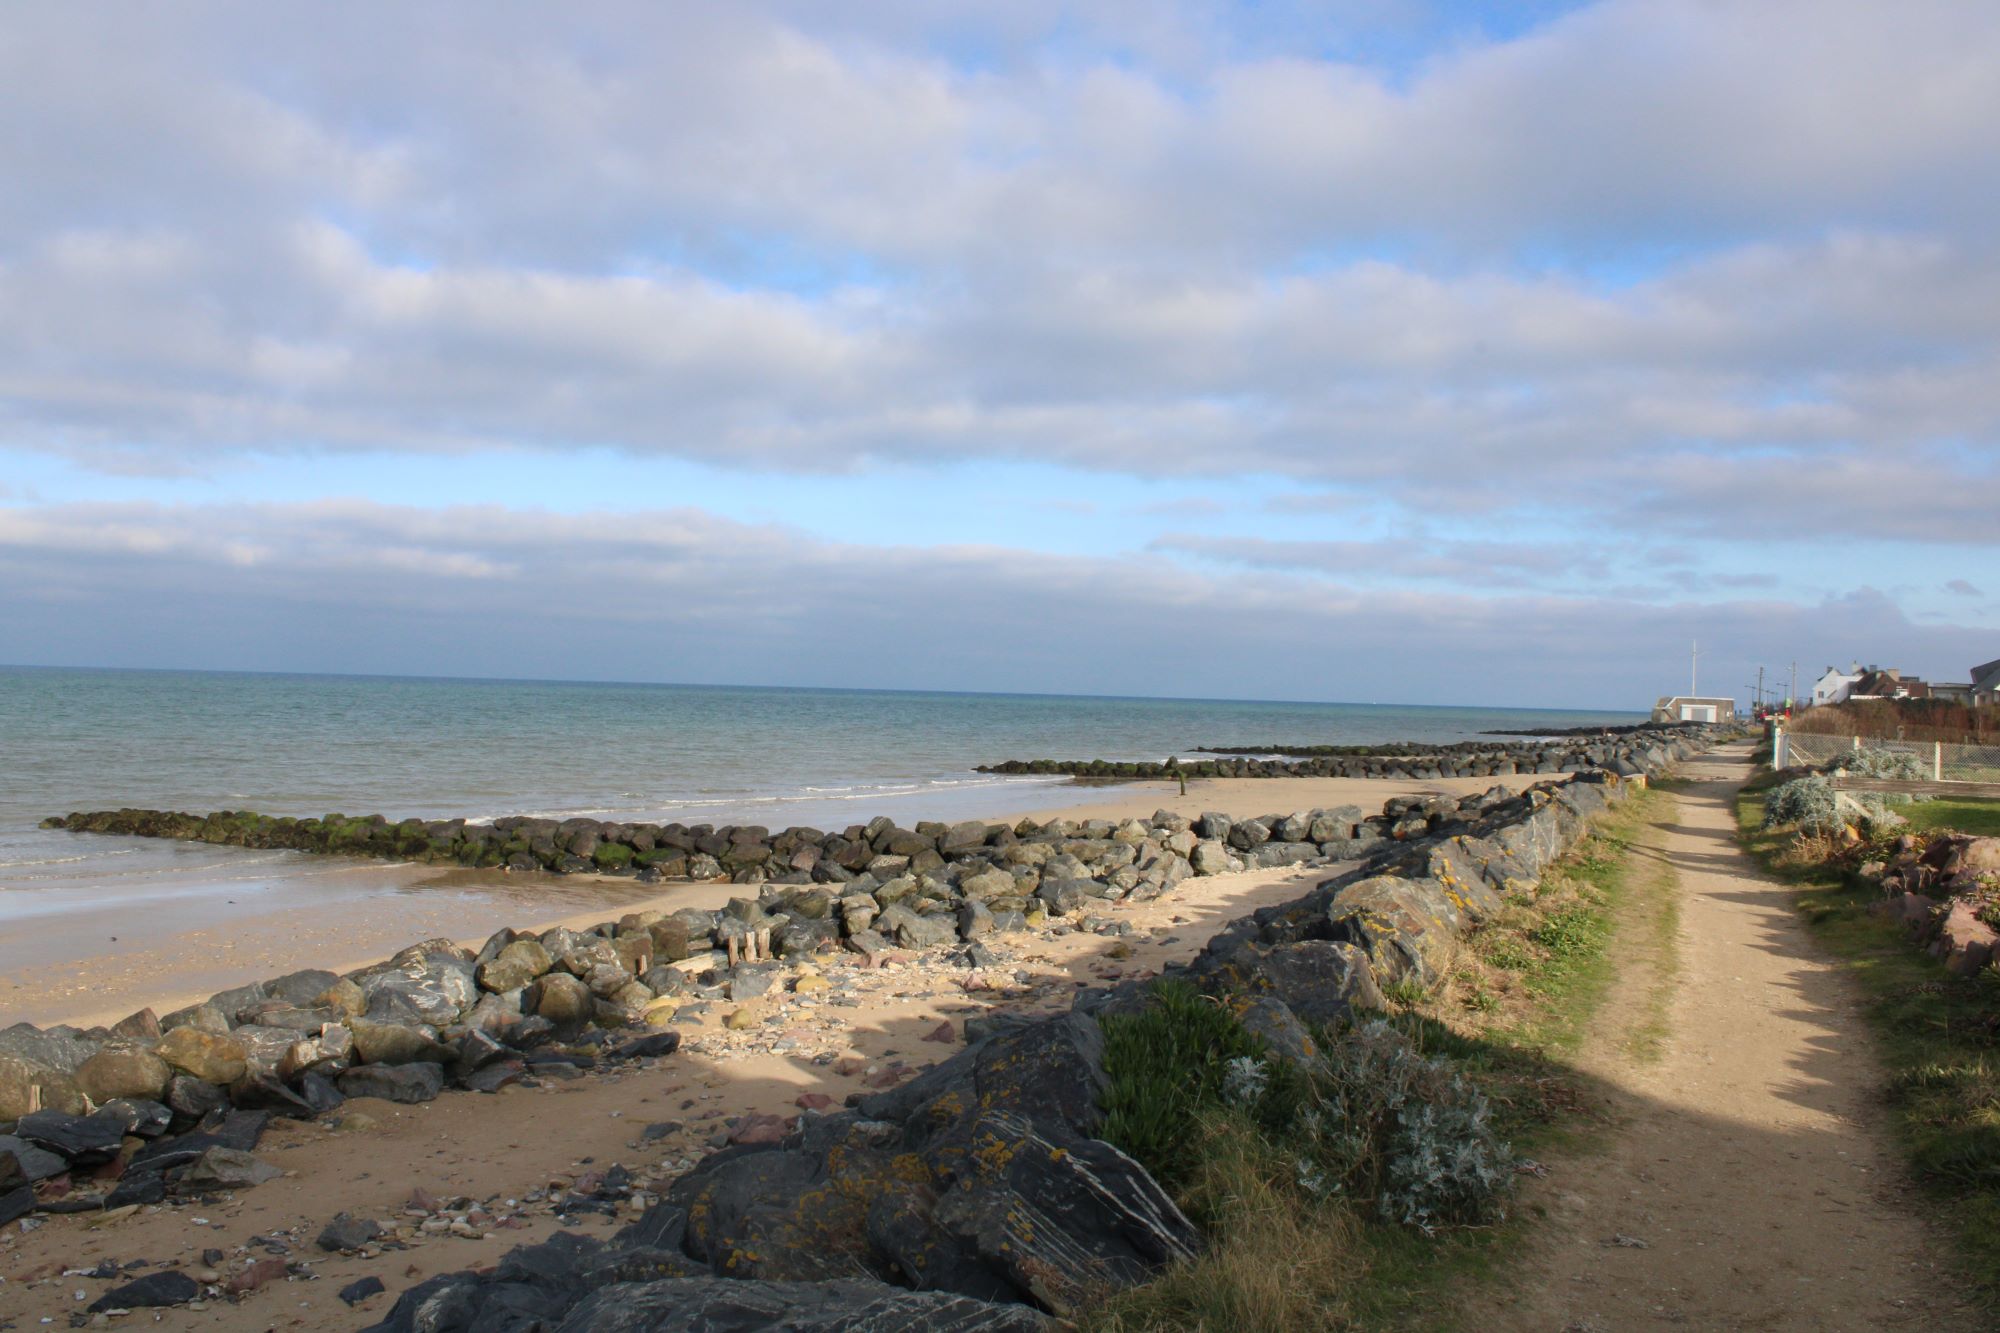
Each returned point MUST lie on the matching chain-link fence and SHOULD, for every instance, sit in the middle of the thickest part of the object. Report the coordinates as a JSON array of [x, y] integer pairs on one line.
[[1934, 761]]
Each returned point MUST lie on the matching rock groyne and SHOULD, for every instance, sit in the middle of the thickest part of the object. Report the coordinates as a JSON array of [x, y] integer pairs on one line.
[[1640, 751], [978, 1196], [981, 1183]]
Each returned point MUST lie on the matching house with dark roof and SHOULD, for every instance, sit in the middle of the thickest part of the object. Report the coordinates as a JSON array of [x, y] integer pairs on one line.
[[1986, 685], [1888, 683]]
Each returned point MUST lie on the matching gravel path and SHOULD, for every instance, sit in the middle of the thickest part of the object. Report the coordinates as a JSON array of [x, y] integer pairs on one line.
[[1752, 1182]]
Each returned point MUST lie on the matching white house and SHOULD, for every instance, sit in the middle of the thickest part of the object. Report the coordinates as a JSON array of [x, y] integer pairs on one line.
[[1835, 685]]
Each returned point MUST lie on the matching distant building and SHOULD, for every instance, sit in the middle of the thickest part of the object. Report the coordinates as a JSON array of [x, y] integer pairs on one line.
[[1986, 685], [1888, 683], [1835, 685], [1688, 708]]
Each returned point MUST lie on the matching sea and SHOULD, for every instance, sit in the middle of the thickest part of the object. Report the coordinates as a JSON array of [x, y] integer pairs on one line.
[[75, 739]]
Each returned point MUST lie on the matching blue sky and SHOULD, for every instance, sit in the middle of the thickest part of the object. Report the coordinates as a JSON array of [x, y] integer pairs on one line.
[[1387, 350]]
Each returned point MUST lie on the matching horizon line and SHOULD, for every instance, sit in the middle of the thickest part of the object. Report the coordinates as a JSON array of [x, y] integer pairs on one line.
[[831, 689]]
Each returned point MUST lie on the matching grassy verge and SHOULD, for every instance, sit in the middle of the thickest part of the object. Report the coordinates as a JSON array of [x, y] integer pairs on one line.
[[1538, 976], [1298, 1201], [1938, 1035], [1982, 817]]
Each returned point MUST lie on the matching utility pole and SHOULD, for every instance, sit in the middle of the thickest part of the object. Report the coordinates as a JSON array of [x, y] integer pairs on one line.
[[1760, 687], [1792, 699], [1694, 661]]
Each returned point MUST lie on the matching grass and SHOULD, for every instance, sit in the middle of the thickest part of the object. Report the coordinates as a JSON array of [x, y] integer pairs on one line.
[[1537, 977], [1967, 816], [1938, 1036], [1527, 989]]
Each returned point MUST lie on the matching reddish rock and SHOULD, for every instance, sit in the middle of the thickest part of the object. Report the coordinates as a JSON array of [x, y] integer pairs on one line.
[[1964, 941], [812, 1101], [260, 1274], [759, 1129], [942, 1032], [1913, 910]]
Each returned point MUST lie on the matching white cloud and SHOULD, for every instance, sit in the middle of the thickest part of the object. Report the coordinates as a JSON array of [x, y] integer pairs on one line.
[[1675, 272]]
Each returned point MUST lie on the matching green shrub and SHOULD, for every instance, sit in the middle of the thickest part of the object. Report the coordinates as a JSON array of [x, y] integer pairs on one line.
[[1902, 765], [1369, 1118], [1165, 1065], [1383, 1122], [1810, 803]]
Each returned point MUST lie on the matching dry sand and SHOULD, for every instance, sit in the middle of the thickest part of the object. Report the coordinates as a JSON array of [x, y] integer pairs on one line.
[[500, 1148], [169, 968]]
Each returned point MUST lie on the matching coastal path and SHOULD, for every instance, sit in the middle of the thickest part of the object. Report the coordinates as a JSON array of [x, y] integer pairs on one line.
[[1751, 1181]]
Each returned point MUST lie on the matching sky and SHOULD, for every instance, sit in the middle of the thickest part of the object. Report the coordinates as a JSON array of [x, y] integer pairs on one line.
[[1377, 351]]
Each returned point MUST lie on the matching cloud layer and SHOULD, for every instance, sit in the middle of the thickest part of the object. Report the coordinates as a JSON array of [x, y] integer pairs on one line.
[[1479, 299], [682, 595]]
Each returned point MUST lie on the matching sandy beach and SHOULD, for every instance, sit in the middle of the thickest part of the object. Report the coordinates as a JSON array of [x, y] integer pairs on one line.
[[91, 978], [503, 1149]]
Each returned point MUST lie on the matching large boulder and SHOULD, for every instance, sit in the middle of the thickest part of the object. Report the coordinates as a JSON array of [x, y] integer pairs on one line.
[[433, 982], [562, 999], [1965, 942], [209, 1056], [409, 1083], [514, 966], [916, 930], [1979, 856], [26, 1086], [83, 1139], [396, 1043], [1404, 925], [1211, 857], [697, 1305], [799, 1213], [1062, 1217], [61, 1049], [1321, 981], [123, 1071]]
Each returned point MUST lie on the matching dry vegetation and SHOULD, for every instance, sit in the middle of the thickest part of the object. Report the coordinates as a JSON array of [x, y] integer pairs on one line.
[[1903, 719]]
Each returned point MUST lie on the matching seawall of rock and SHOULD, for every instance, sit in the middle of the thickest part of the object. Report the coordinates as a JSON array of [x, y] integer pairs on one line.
[[1635, 752], [978, 1195], [980, 1184]]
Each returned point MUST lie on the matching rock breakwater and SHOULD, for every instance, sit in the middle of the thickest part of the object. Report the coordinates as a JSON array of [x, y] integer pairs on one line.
[[1639, 751], [981, 1183]]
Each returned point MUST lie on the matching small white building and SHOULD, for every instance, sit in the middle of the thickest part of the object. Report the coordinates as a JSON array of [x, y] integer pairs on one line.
[[1835, 685], [1688, 708]]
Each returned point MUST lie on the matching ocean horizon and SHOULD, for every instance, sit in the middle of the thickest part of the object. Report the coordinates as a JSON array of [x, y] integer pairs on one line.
[[481, 748]]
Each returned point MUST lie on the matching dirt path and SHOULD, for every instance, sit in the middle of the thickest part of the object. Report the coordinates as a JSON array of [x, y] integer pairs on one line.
[[1751, 1183]]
